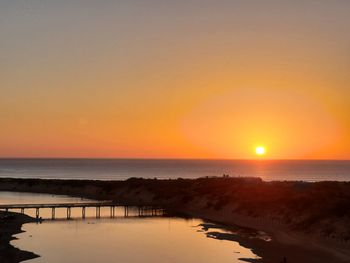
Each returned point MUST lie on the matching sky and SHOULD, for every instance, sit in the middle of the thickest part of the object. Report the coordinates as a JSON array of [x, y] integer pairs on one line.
[[175, 79]]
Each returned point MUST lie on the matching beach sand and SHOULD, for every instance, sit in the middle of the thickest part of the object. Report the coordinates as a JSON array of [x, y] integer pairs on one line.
[[284, 243]]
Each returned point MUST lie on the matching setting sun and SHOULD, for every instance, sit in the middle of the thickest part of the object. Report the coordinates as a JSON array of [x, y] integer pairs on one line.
[[260, 150]]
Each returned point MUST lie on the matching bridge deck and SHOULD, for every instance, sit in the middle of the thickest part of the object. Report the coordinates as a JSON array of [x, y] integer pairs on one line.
[[142, 210], [60, 205]]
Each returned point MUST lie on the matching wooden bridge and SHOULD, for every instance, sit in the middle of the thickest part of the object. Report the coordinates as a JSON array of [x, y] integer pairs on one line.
[[142, 210]]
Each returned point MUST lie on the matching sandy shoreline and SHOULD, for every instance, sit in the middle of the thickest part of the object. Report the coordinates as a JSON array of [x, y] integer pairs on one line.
[[285, 243], [253, 207]]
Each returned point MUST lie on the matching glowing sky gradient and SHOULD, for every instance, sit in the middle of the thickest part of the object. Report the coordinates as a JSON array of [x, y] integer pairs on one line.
[[175, 79]]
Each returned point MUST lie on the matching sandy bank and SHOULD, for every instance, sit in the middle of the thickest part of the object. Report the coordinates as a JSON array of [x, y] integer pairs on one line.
[[285, 243]]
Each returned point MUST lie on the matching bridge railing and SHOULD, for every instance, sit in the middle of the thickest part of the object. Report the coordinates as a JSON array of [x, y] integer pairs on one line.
[[141, 210]]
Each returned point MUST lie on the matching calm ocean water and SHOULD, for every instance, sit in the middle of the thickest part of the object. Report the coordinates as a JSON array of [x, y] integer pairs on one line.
[[116, 169]]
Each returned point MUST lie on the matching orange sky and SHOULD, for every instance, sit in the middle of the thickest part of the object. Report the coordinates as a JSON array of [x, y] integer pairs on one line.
[[177, 79]]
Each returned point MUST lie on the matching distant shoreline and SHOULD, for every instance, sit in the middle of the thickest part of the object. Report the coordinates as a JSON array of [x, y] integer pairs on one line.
[[308, 221], [175, 159], [122, 169]]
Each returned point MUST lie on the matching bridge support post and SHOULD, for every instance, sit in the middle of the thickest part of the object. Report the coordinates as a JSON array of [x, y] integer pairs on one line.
[[98, 211], [53, 213], [37, 213], [83, 212], [68, 212], [22, 210], [126, 211], [113, 211]]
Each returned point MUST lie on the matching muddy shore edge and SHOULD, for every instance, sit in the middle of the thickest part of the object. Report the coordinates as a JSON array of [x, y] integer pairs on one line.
[[10, 225]]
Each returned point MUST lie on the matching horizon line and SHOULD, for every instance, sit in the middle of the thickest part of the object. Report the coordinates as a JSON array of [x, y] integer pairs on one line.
[[170, 158]]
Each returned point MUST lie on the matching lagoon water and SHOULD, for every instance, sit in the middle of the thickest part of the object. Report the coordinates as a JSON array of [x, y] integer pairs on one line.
[[136, 240], [118, 169], [130, 239]]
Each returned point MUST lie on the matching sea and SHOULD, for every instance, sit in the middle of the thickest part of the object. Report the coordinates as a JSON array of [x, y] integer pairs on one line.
[[121, 169]]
